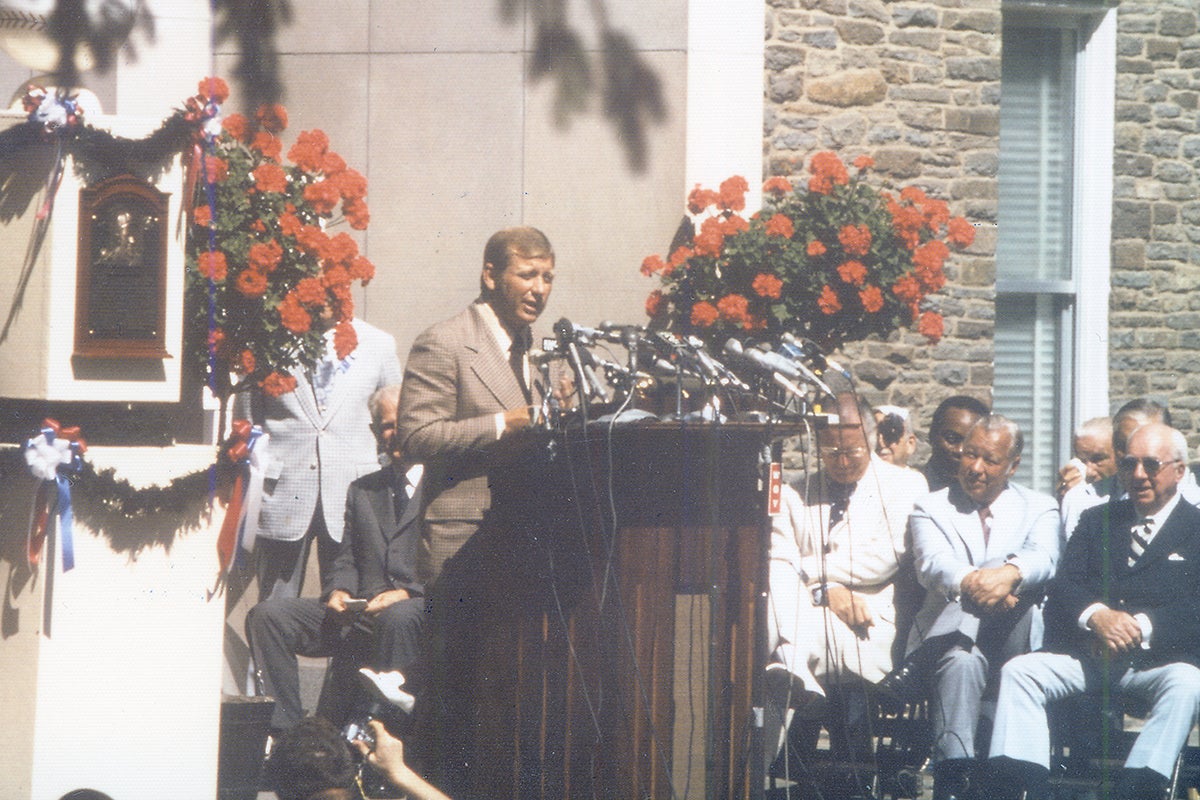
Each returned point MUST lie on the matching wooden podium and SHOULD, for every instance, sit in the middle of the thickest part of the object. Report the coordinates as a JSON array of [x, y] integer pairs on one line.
[[618, 635]]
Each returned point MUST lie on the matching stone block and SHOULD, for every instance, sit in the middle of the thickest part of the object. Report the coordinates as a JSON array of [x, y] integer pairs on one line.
[[951, 374], [979, 121], [1135, 66], [1161, 49], [1139, 166], [1165, 111], [898, 162], [906, 16], [779, 58], [871, 9], [1131, 220], [859, 32], [1133, 112], [1174, 172], [1164, 214], [924, 39], [1129, 253], [784, 87], [982, 21], [1177, 23], [879, 374], [973, 68], [855, 88], [822, 40]]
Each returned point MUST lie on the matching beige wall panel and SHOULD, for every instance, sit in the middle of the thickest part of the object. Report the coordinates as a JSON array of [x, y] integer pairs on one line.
[[445, 155], [411, 26], [603, 218], [650, 24], [325, 26]]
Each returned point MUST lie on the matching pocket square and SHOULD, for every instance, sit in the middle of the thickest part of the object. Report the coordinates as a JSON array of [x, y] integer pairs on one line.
[[1175, 557]]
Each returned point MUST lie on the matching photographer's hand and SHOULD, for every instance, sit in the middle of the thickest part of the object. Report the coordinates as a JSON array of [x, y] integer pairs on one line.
[[388, 757]]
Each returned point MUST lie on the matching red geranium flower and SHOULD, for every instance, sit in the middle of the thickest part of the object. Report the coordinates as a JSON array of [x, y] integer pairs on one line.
[[931, 255], [863, 162], [828, 302], [251, 283], [855, 239], [733, 308], [345, 339], [680, 255], [815, 248], [361, 269], [351, 185], [323, 196], [654, 303], [268, 144], [356, 213], [767, 285], [277, 383], [273, 117], [732, 194], [931, 326], [852, 272], [202, 215], [777, 185], [215, 169], [211, 264], [310, 291], [265, 256], [704, 314], [651, 265], [708, 241], [780, 225], [289, 224], [270, 178], [292, 314], [235, 125], [214, 88], [701, 199], [872, 299], [959, 232], [732, 225], [907, 288]]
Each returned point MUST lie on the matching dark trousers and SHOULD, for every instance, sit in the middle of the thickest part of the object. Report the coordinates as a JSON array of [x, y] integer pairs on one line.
[[280, 565], [282, 628]]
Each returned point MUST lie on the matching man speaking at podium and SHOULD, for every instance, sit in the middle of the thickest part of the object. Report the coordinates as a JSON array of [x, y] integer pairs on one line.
[[468, 392], [468, 388]]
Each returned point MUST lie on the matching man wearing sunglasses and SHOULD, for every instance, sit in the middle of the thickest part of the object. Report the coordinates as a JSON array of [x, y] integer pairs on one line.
[[1123, 616]]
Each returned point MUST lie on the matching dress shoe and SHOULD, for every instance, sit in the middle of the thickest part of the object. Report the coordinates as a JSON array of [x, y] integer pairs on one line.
[[952, 779], [385, 687], [903, 684], [1140, 784], [786, 687]]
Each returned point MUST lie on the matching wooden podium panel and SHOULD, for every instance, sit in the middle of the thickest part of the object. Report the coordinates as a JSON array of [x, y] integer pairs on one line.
[[619, 630]]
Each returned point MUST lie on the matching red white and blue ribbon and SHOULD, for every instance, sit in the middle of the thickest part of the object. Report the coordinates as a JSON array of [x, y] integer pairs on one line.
[[55, 457], [246, 448]]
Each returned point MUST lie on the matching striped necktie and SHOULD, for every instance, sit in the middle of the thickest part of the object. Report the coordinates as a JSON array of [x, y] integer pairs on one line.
[[1142, 532]]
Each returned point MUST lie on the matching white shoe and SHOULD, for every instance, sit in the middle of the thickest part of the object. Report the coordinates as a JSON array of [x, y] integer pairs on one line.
[[385, 686]]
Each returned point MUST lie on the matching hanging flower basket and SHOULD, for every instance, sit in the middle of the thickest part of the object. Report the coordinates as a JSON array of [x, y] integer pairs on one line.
[[834, 260], [265, 279]]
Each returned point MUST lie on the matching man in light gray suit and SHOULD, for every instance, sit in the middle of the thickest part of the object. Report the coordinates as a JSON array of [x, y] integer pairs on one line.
[[984, 549], [376, 564], [320, 441]]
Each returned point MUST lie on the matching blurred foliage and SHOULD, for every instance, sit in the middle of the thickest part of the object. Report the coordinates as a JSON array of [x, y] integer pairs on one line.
[[630, 94]]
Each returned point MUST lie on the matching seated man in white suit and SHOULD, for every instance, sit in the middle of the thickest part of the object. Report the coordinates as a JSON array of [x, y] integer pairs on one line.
[[984, 549], [833, 557]]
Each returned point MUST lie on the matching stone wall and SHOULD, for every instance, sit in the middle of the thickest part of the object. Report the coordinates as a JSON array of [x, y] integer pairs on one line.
[[916, 86], [1155, 308]]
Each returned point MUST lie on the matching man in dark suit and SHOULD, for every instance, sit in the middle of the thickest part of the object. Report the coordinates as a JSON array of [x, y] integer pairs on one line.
[[1123, 614], [469, 388], [376, 563]]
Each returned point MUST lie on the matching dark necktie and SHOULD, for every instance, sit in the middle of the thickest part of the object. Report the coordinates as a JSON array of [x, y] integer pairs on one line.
[[400, 495], [1142, 533], [839, 501], [516, 359]]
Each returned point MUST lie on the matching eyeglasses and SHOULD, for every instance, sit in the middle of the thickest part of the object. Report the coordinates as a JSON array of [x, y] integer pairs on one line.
[[1151, 465], [846, 454]]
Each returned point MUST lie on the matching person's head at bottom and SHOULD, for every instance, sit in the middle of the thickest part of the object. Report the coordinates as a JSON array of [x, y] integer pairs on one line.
[[312, 760]]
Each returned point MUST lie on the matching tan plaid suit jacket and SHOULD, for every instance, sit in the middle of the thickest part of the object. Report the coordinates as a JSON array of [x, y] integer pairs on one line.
[[457, 378]]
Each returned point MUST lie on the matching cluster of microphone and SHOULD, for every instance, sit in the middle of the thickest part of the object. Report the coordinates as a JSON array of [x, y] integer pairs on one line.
[[791, 364]]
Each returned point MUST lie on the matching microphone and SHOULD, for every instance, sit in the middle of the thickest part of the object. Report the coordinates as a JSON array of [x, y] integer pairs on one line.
[[537, 356], [567, 333], [808, 349], [776, 364], [713, 368]]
